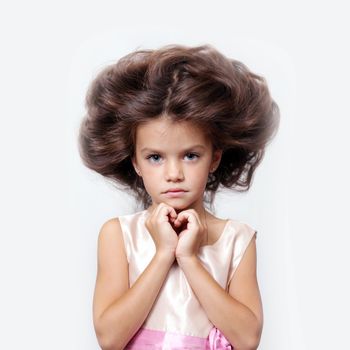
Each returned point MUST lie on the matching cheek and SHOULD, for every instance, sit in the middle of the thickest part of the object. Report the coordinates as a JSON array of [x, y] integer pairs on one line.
[[151, 179], [200, 176], [151, 172], [150, 186], [203, 170]]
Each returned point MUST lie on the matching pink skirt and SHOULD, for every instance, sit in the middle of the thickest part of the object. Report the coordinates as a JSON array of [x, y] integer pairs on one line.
[[146, 339]]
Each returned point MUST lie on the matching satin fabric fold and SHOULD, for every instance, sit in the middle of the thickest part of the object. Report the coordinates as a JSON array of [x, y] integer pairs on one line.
[[177, 308], [177, 319], [217, 341], [146, 339]]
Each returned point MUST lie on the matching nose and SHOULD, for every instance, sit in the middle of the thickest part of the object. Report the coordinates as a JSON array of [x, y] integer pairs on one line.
[[173, 171]]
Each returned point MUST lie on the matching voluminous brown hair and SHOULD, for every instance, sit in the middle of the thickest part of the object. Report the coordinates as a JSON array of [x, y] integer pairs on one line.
[[231, 104]]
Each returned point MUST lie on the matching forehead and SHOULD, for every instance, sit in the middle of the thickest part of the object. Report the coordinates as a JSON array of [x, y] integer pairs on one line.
[[163, 132]]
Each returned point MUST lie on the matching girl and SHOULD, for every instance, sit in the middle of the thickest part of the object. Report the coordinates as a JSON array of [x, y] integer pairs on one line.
[[171, 125]]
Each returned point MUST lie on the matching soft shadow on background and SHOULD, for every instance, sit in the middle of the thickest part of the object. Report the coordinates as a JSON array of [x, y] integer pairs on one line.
[[52, 207]]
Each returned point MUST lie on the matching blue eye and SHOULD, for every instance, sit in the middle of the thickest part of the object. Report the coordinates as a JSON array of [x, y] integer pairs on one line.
[[155, 158], [193, 154], [152, 155]]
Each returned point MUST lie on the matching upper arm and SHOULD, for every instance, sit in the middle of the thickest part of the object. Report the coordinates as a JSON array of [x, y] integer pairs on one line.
[[112, 279], [244, 285]]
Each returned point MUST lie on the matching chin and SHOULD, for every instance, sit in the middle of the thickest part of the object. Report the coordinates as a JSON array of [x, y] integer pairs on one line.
[[180, 207], [177, 203], [177, 206]]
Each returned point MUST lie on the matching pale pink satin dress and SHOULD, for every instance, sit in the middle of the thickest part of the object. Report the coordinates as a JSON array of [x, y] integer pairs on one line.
[[177, 320]]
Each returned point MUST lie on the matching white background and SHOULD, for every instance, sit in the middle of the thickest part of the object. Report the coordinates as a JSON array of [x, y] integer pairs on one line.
[[52, 207]]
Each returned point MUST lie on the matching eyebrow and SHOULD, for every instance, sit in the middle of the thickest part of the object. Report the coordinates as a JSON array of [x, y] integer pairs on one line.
[[145, 149]]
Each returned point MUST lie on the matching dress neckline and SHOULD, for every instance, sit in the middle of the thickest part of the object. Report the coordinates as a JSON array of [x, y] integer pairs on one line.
[[223, 232]]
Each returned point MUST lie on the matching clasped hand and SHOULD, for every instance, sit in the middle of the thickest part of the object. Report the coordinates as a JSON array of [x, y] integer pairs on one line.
[[180, 233]]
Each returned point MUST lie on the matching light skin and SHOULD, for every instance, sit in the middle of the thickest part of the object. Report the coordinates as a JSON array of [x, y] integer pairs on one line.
[[176, 155], [179, 226], [166, 159]]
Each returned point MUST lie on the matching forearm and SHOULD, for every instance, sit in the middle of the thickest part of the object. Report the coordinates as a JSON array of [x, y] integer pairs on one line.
[[236, 321], [122, 319]]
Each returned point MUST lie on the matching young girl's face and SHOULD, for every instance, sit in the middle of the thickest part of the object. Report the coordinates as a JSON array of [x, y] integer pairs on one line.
[[172, 155]]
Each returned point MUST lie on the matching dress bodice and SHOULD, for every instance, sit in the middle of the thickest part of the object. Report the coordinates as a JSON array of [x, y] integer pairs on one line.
[[177, 309]]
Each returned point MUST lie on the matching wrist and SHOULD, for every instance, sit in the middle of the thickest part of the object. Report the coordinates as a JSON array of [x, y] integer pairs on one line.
[[165, 255], [187, 260]]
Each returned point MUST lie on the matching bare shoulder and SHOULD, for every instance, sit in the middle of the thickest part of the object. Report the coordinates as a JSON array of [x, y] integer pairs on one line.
[[112, 224], [110, 238], [110, 243], [112, 271]]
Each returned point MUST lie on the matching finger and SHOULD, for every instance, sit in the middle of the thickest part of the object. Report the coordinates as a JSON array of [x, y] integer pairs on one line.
[[171, 213], [183, 217], [176, 225], [165, 211]]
